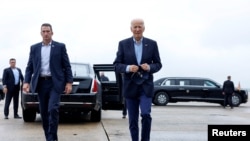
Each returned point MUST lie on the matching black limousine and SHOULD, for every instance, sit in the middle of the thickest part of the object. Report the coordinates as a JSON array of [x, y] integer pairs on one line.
[[186, 89]]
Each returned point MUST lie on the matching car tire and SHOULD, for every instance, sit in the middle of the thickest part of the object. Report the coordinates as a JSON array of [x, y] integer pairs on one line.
[[29, 115], [161, 99], [236, 100], [95, 116]]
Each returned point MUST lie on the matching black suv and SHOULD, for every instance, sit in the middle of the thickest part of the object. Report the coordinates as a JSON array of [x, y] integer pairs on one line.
[[177, 89], [89, 95]]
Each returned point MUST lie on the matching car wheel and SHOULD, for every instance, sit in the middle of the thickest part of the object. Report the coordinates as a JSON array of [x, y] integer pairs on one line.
[[236, 100], [29, 115], [161, 99], [95, 116]]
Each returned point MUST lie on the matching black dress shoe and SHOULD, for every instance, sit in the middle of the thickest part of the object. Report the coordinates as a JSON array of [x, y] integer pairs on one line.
[[17, 116], [6, 117]]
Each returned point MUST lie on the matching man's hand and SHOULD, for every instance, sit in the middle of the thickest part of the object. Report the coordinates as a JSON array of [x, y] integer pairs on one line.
[[133, 68], [5, 90], [26, 87], [68, 88], [145, 67]]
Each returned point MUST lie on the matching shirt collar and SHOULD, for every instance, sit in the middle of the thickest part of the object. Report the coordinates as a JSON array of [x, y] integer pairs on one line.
[[47, 45], [137, 42]]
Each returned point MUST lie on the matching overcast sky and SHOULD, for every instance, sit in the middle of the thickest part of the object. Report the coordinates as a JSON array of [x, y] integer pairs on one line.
[[201, 38]]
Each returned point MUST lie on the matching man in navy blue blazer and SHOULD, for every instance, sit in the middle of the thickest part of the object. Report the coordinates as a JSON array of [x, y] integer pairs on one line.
[[12, 81], [48, 73], [138, 58]]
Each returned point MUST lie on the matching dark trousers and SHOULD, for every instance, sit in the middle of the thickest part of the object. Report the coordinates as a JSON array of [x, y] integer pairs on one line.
[[49, 101], [133, 105], [228, 99], [12, 93], [124, 109]]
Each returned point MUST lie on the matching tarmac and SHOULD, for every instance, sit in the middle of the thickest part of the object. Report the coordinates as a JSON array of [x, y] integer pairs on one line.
[[183, 121]]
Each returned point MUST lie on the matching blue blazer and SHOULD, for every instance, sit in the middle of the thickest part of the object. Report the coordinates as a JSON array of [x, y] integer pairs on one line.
[[59, 66], [126, 56], [9, 79]]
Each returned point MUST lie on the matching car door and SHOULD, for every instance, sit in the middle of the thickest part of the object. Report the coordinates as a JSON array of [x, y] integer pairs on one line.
[[174, 90], [112, 98], [213, 91], [183, 91], [197, 89], [193, 92]]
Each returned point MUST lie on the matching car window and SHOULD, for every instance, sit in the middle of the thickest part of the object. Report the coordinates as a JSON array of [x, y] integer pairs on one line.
[[176, 82], [188, 82], [110, 75], [182, 83], [209, 84], [81, 69], [169, 82], [197, 82], [166, 83]]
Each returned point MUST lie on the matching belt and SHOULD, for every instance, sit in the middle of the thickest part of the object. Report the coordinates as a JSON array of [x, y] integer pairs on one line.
[[45, 77]]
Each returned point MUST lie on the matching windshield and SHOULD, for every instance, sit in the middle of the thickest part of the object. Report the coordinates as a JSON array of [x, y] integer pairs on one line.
[[81, 69]]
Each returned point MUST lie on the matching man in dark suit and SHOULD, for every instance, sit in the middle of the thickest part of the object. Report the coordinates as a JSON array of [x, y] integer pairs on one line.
[[138, 58], [49, 73], [228, 91], [103, 77], [12, 81]]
